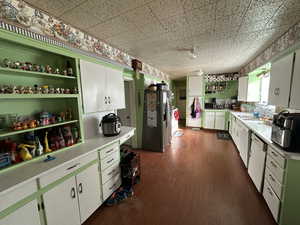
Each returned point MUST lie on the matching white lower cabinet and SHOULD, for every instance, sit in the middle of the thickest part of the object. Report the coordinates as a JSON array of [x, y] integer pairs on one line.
[[89, 194], [257, 157], [244, 143], [74, 200], [61, 204], [215, 120], [26, 215]]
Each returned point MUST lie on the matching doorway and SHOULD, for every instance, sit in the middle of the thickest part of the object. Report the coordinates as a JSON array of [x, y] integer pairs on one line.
[[127, 115]]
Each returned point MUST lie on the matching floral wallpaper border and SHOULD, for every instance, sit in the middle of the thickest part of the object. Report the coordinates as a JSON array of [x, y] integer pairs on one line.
[[17, 16], [288, 39]]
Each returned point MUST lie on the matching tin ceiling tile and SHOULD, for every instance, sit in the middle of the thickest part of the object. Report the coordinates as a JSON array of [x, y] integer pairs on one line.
[[166, 8]]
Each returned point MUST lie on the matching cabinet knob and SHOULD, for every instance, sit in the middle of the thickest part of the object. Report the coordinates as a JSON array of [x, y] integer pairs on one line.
[[277, 91]]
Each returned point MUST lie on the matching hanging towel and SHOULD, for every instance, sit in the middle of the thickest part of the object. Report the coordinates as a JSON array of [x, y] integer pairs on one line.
[[196, 108]]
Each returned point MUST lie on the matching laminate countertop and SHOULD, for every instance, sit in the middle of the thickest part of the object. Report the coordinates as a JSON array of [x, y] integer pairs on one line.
[[28, 172], [263, 131]]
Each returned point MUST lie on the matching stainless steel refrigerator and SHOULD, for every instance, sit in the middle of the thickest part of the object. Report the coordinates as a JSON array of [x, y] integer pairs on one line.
[[157, 120]]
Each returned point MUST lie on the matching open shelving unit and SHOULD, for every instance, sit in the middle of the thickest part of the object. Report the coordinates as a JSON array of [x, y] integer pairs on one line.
[[30, 105], [19, 72]]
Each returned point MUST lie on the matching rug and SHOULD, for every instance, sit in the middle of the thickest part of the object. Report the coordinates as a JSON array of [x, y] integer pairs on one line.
[[177, 133], [223, 135]]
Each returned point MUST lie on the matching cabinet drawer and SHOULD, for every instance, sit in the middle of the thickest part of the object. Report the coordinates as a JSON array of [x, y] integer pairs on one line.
[[17, 194], [110, 172], [108, 150], [272, 200], [276, 156], [110, 186], [274, 183], [110, 160], [126, 137], [275, 169], [67, 168]]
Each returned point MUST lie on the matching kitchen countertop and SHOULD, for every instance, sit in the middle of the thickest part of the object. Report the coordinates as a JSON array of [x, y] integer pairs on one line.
[[263, 131], [26, 173]]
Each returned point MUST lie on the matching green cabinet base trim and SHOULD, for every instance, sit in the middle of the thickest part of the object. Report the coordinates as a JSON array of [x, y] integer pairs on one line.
[[10, 133], [41, 191], [40, 96], [39, 158]]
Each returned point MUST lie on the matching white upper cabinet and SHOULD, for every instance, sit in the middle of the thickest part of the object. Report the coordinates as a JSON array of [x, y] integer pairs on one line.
[[295, 90], [243, 89], [280, 81], [195, 85], [102, 87]]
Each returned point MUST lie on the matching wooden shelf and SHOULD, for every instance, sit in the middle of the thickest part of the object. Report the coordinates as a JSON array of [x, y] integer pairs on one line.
[[24, 96], [4, 70], [13, 132]]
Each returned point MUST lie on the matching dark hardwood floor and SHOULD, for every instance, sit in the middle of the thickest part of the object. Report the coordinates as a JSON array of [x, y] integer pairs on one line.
[[198, 180]]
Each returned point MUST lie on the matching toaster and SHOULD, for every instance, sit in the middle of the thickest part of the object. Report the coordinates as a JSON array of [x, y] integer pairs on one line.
[[111, 125]]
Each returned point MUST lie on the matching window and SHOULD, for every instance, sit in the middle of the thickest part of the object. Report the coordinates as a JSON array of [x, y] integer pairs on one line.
[[264, 88]]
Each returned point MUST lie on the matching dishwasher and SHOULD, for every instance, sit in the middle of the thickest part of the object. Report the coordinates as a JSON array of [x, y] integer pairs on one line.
[[257, 160]]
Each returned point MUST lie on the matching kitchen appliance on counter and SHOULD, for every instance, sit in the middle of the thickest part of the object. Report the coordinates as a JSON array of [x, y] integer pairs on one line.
[[111, 125], [286, 131]]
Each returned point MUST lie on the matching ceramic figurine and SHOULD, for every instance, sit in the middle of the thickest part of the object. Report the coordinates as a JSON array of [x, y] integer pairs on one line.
[[42, 69], [57, 91], [69, 69], [23, 66], [66, 130], [52, 120], [75, 91], [45, 118], [39, 147], [63, 116], [67, 91], [17, 126], [48, 69], [2, 90], [52, 90], [64, 72], [17, 65], [75, 134], [32, 124], [47, 149], [22, 89], [25, 125], [45, 89], [56, 71], [15, 158], [35, 68], [15, 90], [62, 90], [29, 66], [24, 151], [7, 63]]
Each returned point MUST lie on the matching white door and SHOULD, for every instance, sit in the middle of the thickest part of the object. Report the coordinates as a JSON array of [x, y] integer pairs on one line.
[[115, 89], [26, 215], [243, 89], [61, 204], [220, 120], [295, 91], [193, 122], [257, 158], [209, 122], [195, 85], [280, 81], [88, 188], [93, 81]]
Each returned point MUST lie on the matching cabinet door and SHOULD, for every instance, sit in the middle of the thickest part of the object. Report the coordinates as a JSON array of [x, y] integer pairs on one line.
[[209, 122], [89, 194], [243, 89], [93, 80], [244, 144], [295, 91], [220, 120], [26, 215], [61, 204], [280, 81], [195, 85], [256, 166], [115, 89]]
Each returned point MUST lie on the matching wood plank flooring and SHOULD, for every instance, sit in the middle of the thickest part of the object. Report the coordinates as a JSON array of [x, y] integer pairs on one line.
[[198, 180]]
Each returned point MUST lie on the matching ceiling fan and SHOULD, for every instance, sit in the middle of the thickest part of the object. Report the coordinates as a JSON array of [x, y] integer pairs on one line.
[[193, 52]]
